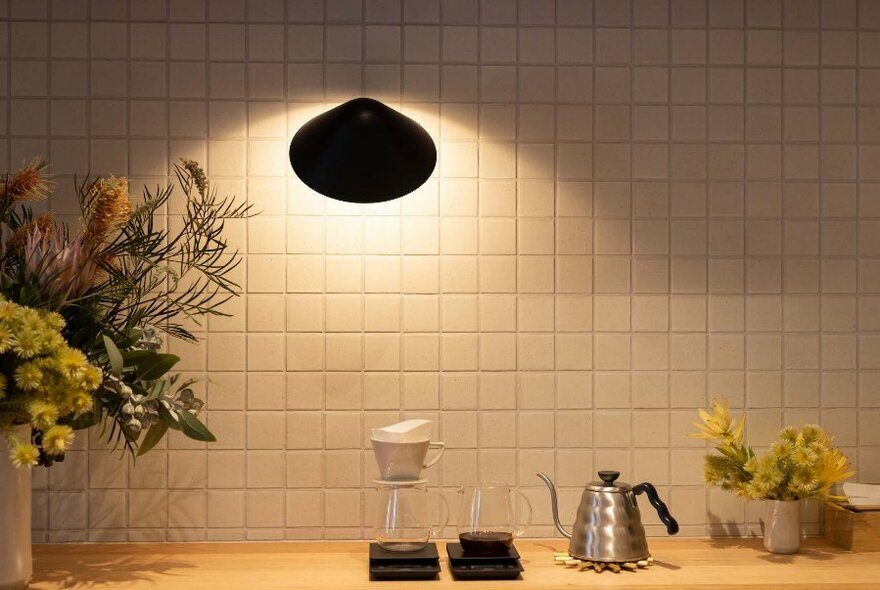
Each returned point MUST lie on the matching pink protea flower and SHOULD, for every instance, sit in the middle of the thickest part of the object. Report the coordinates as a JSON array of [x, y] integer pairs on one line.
[[63, 271]]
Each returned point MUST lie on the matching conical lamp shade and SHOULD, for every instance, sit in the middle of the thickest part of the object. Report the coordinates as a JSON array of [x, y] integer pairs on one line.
[[363, 152]]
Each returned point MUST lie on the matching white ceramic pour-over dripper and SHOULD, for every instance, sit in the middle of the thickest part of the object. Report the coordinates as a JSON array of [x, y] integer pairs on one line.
[[404, 432], [401, 450]]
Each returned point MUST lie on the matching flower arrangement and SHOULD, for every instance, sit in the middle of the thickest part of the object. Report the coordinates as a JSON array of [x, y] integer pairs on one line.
[[800, 464], [101, 298]]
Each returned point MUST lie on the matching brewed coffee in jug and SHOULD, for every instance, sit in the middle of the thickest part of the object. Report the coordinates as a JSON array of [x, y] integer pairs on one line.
[[488, 520]]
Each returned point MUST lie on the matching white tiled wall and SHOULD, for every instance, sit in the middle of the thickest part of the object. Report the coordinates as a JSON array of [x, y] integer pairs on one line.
[[638, 206]]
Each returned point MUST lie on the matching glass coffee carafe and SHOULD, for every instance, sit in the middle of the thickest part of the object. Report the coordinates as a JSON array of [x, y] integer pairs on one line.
[[408, 516], [489, 518]]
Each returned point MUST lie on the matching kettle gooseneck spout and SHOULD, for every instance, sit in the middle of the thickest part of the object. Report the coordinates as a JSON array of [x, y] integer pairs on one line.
[[555, 506]]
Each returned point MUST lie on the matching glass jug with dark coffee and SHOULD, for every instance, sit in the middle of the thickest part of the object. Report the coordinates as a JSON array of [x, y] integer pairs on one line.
[[486, 542], [489, 518]]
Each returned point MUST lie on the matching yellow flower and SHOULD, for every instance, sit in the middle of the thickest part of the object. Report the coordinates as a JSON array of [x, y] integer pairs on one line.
[[53, 341], [783, 448], [812, 434], [82, 402], [6, 339], [28, 376], [27, 344], [789, 434], [56, 439], [47, 379], [54, 321], [43, 415], [719, 425], [804, 456], [804, 480], [24, 455], [8, 310], [767, 476], [833, 468], [92, 378], [72, 363]]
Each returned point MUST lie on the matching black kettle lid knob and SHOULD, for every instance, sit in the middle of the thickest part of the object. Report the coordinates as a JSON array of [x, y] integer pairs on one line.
[[609, 476]]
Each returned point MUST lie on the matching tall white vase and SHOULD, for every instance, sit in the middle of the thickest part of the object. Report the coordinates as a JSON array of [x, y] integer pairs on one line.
[[782, 526], [16, 566]]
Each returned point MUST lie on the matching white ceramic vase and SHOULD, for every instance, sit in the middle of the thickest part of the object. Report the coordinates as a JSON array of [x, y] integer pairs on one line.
[[782, 526], [16, 566]]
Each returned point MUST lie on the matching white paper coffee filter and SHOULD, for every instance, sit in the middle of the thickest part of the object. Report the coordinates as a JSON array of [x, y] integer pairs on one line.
[[402, 432]]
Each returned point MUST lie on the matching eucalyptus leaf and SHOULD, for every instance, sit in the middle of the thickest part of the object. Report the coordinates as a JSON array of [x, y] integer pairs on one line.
[[83, 421], [134, 357], [156, 367], [168, 415], [187, 383], [158, 389], [193, 428], [116, 362], [153, 436]]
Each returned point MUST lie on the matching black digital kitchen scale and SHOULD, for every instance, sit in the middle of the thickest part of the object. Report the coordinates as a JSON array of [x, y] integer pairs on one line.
[[466, 566], [423, 564]]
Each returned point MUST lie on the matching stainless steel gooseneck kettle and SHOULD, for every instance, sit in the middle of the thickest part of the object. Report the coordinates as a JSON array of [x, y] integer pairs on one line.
[[609, 525]]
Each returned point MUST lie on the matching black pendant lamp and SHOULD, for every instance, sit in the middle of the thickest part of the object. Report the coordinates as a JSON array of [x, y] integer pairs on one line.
[[363, 152]]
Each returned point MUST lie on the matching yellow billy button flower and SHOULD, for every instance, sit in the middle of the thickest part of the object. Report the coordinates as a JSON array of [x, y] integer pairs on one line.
[[91, 378], [46, 379], [72, 363], [43, 415], [28, 376], [82, 402], [54, 320], [54, 341], [56, 439], [804, 480], [8, 310], [27, 344], [6, 339], [24, 455]]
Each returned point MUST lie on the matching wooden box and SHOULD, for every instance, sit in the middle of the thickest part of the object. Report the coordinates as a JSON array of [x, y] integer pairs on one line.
[[853, 529]]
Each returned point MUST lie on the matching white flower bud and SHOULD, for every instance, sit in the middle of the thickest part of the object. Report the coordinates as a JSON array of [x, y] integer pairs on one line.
[[127, 408]]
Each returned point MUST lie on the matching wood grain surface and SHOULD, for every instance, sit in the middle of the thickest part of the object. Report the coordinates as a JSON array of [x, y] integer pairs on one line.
[[680, 563]]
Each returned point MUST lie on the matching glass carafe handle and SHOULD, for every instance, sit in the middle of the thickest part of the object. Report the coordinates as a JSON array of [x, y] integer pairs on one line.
[[444, 515], [521, 528]]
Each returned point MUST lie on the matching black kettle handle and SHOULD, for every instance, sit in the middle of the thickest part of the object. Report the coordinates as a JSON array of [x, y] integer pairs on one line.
[[656, 502]]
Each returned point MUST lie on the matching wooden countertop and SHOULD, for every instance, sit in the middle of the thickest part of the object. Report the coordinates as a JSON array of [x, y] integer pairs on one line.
[[679, 563]]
